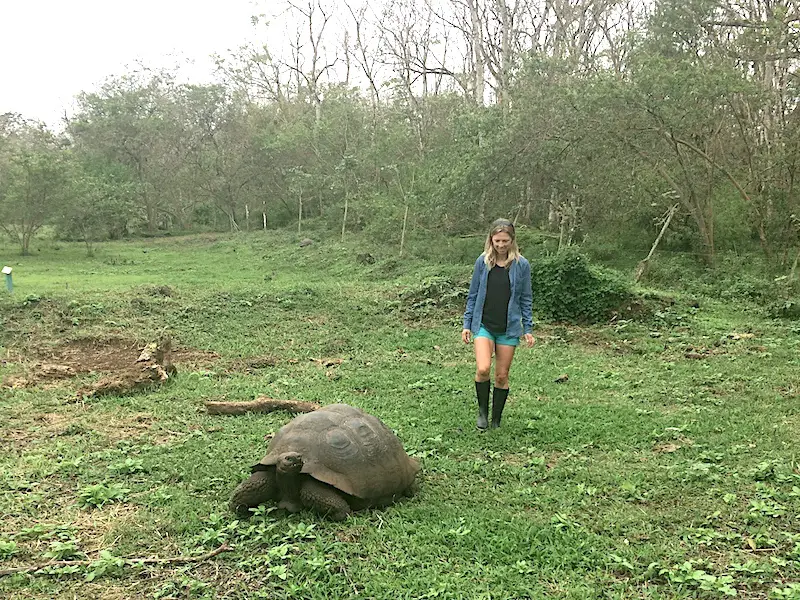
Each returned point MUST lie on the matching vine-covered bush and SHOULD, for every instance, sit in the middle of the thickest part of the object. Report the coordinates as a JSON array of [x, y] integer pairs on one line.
[[566, 287], [436, 292]]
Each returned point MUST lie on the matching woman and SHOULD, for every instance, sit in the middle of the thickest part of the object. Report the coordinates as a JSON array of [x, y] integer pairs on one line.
[[498, 313]]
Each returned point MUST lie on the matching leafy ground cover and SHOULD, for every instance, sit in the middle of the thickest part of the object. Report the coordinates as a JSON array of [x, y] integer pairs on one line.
[[664, 466]]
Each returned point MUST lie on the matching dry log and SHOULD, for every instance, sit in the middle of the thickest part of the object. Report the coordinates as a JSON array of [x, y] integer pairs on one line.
[[262, 404]]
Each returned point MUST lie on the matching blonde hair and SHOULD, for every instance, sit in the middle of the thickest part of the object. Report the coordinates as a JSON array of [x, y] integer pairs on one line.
[[489, 254]]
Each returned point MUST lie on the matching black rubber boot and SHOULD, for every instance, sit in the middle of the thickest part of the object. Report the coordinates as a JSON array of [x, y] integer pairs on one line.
[[498, 404], [482, 391]]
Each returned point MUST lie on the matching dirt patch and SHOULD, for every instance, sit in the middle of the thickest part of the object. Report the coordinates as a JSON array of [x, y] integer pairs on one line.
[[96, 356], [517, 460], [115, 427], [534, 461], [691, 353], [90, 529], [349, 536], [251, 364], [267, 361], [12, 438], [55, 421], [94, 526], [44, 374], [88, 356], [92, 355], [194, 358], [666, 448], [590, 340], [76, 420], [133, 426]]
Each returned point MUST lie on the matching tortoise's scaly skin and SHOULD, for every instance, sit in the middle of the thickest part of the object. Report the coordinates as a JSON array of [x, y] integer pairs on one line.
[[358, 461]]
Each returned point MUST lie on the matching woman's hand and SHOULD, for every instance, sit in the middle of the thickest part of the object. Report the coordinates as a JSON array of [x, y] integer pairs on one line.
[[466, 336], [529, 339]]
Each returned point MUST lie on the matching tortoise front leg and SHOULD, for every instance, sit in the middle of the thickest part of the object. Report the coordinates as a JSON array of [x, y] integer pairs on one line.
[[289, 492], [260, 488], [287, 477], [324, 499]]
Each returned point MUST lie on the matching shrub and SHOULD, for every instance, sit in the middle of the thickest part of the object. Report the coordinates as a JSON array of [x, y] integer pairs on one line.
[[436, 292], [95, 496], [566, 287]]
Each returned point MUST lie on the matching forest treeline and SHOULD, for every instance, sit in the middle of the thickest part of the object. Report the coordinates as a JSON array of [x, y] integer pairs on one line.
[[591, 118]]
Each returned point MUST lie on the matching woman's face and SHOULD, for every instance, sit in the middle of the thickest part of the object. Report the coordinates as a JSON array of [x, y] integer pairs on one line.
[[501, 242]]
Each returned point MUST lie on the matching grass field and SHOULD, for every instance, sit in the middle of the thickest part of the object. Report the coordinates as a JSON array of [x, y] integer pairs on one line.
[[665, 467]]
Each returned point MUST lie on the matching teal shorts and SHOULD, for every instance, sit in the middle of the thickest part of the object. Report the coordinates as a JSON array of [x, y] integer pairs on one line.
[[499, 339]]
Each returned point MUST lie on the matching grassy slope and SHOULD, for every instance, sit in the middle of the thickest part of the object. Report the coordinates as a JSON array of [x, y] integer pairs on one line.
[[604, 486]]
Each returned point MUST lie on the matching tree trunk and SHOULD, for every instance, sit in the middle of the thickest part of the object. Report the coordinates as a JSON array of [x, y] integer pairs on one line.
[[299, 211], [151, 215], [505, 56], [403, 234], [478, 63], [641, 268], [26, 242], [793, 272], [552, 211], [344, 218]]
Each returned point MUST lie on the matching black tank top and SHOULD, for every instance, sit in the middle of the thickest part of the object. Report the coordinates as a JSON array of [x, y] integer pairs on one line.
[[498, 295]]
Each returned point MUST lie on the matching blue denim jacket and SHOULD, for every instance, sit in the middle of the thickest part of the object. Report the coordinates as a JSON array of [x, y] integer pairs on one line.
[[520, 314]]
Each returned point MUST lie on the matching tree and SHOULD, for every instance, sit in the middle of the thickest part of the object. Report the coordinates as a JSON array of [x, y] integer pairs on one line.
[[752, 116], [221, 155], [131, 121], [33, 178], [102, 203]]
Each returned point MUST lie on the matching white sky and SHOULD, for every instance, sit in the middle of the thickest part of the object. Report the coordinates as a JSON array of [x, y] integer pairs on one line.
[[50, 50]]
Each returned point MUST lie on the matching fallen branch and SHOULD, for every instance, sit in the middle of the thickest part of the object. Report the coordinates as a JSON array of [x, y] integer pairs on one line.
[[129, 561], [262, 404]]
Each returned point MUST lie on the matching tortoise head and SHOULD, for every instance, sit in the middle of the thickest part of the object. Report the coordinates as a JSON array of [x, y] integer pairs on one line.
[[289, 462]]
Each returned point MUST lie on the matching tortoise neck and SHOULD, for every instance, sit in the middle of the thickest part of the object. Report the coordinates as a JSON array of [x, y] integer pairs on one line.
[[288, 485]]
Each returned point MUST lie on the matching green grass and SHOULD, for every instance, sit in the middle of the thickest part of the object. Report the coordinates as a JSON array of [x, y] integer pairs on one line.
[[646, 475]]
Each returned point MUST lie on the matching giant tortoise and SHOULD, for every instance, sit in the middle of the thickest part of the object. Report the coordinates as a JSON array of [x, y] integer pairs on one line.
[[334, 460]]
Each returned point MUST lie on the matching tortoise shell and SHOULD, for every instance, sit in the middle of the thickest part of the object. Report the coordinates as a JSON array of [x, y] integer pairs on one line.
[[347, 448]]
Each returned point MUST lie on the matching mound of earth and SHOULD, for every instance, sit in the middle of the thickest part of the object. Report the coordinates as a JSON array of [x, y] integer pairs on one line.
[[127, 367]]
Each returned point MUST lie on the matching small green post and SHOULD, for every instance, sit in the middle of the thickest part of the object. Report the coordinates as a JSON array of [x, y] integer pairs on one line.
[[9, 282]]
